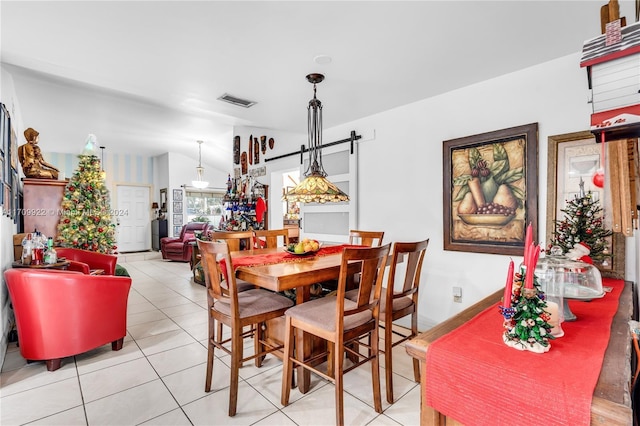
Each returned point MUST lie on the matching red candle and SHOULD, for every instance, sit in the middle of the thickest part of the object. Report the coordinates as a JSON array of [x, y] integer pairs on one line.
[[533, 253], [506, 299], [528, 240]]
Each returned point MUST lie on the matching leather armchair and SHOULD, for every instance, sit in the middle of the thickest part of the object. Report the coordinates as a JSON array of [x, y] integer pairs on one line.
[[84, 260], [180, 248], [61, 314]]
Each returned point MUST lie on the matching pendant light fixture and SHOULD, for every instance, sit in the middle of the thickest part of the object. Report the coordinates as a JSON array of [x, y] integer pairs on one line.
[[315, 188], [103, 174], [199, 182]]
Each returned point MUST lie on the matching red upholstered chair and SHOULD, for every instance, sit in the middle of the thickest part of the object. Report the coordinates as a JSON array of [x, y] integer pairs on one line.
[[61, 314], [87, 261], [180, 248]]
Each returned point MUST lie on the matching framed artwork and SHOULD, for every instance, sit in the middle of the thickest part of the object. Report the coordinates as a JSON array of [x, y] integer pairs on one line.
[[13, 148], [163, 200], [177, 220], [3, 130], [15, 193], [2, 198], [177, 195], [5, 135], [6, 210], [176, 230], [490, 190], [572, 157], [177, 206]]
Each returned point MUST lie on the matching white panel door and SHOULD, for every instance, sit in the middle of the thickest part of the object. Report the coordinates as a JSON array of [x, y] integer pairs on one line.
[[331, 222], [133, 221]]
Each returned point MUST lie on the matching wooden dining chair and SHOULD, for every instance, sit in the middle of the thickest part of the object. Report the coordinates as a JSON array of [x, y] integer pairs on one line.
[[237, 240], [271, 238], [236, 310], [366, 238], [340, 321], [399, 299]]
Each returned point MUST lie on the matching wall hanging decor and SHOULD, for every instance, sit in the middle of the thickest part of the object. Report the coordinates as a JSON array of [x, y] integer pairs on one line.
[[490, 191]]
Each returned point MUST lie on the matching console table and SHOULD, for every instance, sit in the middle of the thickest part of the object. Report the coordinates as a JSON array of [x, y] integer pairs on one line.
[[611, 403]]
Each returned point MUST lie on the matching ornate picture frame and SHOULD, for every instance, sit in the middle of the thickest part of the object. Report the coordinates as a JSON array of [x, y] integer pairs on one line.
[[490, 190], [163, 200], [571, 156]]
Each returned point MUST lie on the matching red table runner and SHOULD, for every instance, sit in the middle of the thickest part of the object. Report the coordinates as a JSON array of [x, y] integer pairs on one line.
[[280, 257], [474, 378]]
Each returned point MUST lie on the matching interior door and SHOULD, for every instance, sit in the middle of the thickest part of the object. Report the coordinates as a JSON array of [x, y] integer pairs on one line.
[[331, 222], [133, 220]]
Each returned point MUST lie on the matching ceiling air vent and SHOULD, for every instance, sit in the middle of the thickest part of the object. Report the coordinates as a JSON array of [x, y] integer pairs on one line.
[[236, 101]]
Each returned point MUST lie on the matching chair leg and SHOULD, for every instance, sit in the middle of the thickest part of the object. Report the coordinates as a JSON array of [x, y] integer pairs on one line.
[[375, 369], [414, 333], [338, 364], [116, 345], [388, 358], [330, 351], [53, 364], [258, 346], [210, 356], [236, 363], [219, 332], [287, 365]]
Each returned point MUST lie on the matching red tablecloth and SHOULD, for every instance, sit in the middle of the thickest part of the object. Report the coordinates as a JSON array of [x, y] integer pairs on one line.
[[280, 257], [474, 378]]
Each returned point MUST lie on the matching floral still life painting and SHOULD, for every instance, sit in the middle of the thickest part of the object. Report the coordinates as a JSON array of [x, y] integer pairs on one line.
[[488, 190]]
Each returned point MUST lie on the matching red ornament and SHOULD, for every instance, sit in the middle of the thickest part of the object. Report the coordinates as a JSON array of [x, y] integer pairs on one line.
[[100, 230], [598, 178]]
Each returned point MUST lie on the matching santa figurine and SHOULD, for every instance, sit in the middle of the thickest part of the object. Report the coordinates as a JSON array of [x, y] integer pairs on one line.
[[580, 251]]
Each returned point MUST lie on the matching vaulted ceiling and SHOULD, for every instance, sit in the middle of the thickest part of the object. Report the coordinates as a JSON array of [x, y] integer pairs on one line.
[[144, 76]]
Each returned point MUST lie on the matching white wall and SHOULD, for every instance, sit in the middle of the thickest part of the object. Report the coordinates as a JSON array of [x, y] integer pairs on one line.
[[7, 227], [406, 199], [400, 169]]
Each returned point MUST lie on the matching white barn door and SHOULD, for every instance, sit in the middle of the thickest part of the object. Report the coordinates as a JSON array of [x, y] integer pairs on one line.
[[331, 222], [132, 217]]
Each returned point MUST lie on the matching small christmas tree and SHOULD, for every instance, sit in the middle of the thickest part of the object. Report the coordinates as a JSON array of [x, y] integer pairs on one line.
[[529, 328], [526, 319], [583, 223], [86, 221]]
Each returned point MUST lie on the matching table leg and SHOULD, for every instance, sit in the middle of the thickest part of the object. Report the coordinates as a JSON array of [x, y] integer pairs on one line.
[[303, 342]]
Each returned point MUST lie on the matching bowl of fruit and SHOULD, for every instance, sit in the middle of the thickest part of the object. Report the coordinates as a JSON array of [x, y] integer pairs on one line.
[[304, 247], [490, 214]]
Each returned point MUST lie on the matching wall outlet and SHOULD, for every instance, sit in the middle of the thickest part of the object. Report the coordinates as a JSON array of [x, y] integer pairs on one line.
[[457, 294]]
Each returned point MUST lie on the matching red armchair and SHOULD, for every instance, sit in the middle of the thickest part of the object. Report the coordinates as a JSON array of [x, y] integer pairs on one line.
[[86, 261], [60, 313], [180, 248]]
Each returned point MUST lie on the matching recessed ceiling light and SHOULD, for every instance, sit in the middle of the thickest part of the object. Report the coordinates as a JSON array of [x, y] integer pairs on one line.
[[322, 59]]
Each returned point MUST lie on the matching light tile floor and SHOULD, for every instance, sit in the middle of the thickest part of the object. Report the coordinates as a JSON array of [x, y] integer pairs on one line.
[[158, 377]]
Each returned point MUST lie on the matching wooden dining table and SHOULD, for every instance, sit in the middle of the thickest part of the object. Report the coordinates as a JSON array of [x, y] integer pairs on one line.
[[293, 273]]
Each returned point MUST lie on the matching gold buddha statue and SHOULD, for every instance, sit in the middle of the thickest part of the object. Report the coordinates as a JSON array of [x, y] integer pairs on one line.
[[30, 156]]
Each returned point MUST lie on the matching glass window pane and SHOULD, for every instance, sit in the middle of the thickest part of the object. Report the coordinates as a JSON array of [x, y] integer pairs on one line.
[[205, 205]]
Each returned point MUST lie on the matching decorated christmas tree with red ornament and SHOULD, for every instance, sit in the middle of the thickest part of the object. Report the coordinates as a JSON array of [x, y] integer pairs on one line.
[[86, 210], [582, 224]]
